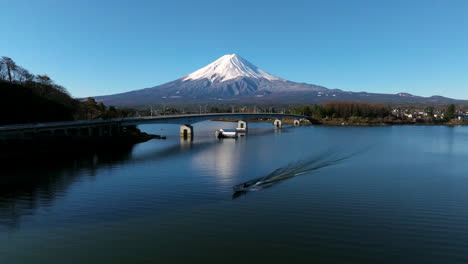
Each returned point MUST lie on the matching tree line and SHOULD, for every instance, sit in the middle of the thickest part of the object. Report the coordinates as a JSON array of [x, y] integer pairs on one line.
[[29, 98], [360, 111], [344, 110]]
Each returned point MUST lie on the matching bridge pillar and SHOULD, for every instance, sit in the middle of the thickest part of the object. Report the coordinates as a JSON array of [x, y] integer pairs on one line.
[[186, 131], [241, 126], [297, 122], [277, 123]]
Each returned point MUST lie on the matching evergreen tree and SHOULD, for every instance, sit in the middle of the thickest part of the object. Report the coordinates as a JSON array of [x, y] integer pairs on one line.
[[450, 112]]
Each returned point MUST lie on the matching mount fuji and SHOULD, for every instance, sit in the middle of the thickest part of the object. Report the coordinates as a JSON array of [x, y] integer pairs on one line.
[[233, 79]]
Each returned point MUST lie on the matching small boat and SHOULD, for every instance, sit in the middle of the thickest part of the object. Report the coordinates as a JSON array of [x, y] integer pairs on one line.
[[285, 173], [226, 133], [250, 185]]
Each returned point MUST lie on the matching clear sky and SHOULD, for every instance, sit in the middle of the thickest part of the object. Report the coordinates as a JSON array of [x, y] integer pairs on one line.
[[105, 47]]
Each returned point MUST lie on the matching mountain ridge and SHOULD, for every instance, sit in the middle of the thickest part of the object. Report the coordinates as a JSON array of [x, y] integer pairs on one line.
[[233, 79]]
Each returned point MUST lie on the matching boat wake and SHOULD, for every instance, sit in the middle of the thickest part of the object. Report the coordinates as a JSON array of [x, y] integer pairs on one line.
[[291, 170]]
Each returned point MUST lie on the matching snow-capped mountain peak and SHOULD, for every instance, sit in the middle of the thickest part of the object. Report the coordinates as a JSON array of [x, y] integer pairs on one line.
[[229, 67], [233, 80]]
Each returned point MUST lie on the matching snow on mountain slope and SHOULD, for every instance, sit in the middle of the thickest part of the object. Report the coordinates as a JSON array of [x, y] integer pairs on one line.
[[233, 79], [229, 67]]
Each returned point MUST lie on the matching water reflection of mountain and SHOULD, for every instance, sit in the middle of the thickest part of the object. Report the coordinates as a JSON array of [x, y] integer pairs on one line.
[[38, 181], [225, 159]]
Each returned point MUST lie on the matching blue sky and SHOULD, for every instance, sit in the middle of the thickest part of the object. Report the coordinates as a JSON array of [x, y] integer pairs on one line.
[[106, 47]]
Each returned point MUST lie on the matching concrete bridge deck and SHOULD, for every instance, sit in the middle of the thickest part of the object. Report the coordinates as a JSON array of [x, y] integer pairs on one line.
[[109, 125]]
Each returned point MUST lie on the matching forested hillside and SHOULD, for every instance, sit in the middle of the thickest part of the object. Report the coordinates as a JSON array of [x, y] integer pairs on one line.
[[23, 104], [29, 98]]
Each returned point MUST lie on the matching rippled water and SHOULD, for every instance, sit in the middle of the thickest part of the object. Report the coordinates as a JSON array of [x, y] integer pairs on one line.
[[402, 198]]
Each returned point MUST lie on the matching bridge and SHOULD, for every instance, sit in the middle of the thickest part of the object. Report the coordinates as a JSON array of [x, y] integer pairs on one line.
[[111, 127]]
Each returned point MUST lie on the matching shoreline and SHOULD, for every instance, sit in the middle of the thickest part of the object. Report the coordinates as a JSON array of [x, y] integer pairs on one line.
[[342, 122], [71, 144]]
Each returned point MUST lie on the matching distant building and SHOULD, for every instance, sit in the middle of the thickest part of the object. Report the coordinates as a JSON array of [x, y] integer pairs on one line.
[[462, 116]]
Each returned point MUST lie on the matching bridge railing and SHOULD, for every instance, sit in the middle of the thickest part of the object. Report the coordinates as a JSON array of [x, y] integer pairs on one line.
[[145, 119]]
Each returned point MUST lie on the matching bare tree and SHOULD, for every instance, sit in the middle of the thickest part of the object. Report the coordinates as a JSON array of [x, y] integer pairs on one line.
[[10, 66], [44, 79], [23, 75], [2, 71]]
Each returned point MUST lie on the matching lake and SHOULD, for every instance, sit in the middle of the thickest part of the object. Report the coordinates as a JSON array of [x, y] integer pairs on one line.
[[388, 194]]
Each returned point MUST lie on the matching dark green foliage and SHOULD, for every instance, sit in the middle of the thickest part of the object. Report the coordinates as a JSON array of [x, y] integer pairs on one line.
[[316, 110], [430, 111], [90, 109], [349, 109], [303, 110], [450, 112], [344, 110]]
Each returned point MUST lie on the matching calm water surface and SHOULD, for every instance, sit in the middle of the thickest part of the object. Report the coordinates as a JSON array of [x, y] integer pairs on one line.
[[403, 197]]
